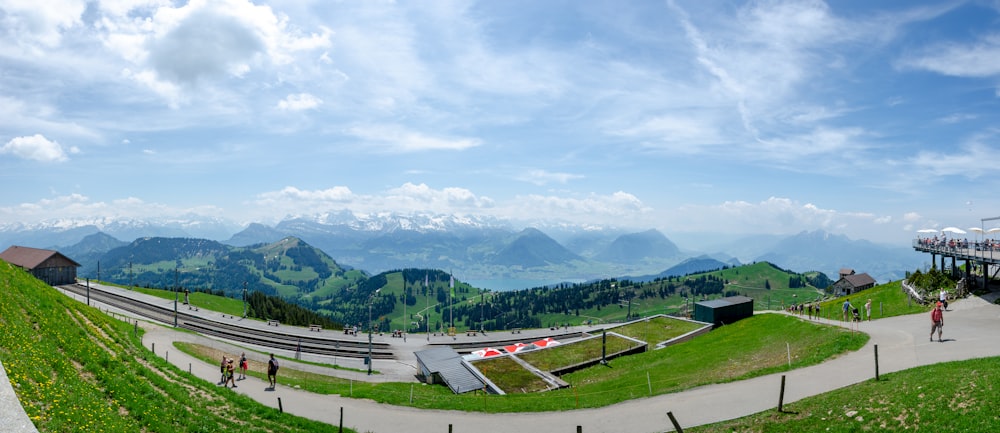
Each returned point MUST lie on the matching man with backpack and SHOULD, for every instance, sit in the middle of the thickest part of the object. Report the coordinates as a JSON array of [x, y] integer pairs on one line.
[[272, 371]]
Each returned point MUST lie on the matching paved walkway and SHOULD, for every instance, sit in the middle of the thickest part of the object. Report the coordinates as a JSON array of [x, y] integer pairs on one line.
[[970, 332]]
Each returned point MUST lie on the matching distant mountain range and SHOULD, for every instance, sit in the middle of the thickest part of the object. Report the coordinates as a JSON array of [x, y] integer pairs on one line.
[[480, 248]]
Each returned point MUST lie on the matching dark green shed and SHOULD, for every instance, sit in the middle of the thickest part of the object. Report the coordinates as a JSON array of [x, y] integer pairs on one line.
[[725, 310]]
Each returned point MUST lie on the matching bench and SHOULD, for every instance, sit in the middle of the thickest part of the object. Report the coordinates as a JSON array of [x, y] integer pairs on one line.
[[271, 322], [316, 328], [515, 331], [470, 333]]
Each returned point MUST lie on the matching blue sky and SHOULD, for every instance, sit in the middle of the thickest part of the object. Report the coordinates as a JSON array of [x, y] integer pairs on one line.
[[869, 119]]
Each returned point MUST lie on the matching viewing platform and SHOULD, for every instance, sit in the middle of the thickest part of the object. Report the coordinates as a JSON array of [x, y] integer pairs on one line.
[[984, 254]]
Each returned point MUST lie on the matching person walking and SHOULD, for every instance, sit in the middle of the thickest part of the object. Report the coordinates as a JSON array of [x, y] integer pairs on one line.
[[231, 373], [222, 370], [243, 366], [937, 321], [847, 307], [943, 299], [272, 371], [868, 310]]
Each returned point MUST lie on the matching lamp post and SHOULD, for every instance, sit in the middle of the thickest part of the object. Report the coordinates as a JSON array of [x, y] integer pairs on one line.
[[176, 293], [371, 300], [244, 299]]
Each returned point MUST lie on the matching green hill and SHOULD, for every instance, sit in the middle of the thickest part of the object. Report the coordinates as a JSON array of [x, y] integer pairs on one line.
[[76, 370], [289, 268], [601, 301]]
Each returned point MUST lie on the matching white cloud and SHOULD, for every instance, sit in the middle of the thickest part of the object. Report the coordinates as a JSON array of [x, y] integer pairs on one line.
[[973, 159], [176, 49], [40, 22], [406, 198], [978, 59], [543, 177], [399, 138], [776, 215], [79, 207], [36, 147], [299, 102]]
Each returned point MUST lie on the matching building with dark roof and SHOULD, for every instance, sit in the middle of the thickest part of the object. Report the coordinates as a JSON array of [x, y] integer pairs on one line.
[[723, 311], [853, 283], [47, 265]]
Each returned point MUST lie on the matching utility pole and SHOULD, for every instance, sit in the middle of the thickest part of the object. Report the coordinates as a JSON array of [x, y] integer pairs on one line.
[[371, 300], [244, 299]]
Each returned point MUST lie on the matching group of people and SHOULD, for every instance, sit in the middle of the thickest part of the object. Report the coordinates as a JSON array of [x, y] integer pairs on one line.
[[958, 244], [228, 370], [851, 310], [811, 309]]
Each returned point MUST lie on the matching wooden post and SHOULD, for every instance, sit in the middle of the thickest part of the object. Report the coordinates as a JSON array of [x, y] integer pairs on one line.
[[604, 346], [781, 396], [876, 362], [677, 426]]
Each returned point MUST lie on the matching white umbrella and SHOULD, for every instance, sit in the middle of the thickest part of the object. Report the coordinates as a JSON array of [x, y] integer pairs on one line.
[[993, 230], [976, 229], [955, 230]]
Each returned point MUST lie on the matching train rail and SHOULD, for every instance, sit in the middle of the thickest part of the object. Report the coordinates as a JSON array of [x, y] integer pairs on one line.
[[234, 332]]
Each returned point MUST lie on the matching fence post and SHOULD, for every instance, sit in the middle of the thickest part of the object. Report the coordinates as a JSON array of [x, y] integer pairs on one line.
[[280, 408], [340, 429], [876, 362], [153, 349], [673, 421], [781, 396]]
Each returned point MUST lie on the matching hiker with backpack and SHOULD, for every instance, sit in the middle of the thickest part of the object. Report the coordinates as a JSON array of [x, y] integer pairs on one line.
[[272, 371]]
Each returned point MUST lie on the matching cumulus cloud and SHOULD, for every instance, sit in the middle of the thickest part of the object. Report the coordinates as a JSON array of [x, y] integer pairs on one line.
[[299, 102], [41, 22], [175, 48], [407, 198], [38, 148]]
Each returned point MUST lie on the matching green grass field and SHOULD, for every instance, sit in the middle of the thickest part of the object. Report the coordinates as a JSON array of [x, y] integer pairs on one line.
[[748, 348]]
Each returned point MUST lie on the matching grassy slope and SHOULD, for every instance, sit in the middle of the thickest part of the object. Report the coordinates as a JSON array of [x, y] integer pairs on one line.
[[888, 300], [76, 370], [942, 398]]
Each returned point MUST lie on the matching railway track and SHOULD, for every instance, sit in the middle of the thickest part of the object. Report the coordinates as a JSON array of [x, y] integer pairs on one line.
[[234, 332]]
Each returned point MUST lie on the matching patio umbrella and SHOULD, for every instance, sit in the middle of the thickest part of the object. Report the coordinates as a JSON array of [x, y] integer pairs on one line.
[[954, 230], [993, 230]]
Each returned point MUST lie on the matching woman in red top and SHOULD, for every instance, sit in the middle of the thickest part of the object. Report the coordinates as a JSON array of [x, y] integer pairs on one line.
[[937, 321]]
